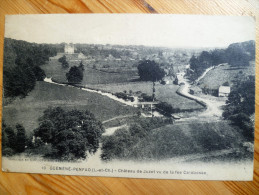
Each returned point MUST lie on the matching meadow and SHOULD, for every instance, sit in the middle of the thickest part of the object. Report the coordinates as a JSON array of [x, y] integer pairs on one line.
[[166, 93], [26, 111], [126, 80], [226, 73], [91, 76]]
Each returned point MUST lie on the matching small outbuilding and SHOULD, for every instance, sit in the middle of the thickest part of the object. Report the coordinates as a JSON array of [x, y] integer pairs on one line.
[[195, 90], [224, 91]]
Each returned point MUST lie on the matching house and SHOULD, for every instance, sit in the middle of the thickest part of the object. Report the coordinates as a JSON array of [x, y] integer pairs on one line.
[[195, 90], [224, 91]]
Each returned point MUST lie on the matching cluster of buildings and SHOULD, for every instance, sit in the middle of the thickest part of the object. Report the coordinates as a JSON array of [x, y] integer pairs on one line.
[[221, 91]]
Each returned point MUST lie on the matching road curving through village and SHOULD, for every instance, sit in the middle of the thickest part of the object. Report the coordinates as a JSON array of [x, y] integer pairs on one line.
[[213, 108]]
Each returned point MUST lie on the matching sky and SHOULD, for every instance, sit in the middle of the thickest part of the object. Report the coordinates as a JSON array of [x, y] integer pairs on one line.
[[167, 30]]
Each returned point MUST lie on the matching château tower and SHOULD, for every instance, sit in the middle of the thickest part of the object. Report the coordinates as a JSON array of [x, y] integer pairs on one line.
[[69, 48]]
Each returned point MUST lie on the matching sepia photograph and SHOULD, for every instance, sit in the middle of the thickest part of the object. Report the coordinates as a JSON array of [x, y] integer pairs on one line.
[[129, 95]]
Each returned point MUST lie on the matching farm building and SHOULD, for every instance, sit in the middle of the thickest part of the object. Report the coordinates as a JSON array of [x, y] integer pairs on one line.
[[224, 91], [195, 90]]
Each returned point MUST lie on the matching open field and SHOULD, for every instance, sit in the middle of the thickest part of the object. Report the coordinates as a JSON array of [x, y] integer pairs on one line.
[[27, 111], [119, 82], [226, 73], [165, 93], [91, 76]]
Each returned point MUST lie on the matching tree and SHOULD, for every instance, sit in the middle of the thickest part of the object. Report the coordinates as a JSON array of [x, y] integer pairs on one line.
[[70, 133], [22, 62], [62, 59], [237, 54], [20, 79], [166, 108], [226, 84], [65, 64], [39, 73], [75, 75], [81, 66], [9, 137], [45, 131], [240, 106], [150, 71], [20, 138]]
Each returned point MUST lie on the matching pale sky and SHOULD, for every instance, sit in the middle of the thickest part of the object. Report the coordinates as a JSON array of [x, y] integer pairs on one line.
[[132, 29]]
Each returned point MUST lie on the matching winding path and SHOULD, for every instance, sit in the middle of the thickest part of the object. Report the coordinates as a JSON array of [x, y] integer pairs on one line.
[[109, 95], [212, 112], [213, 108]]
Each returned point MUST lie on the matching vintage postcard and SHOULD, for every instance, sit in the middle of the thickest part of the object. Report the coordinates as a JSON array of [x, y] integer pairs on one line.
[[129, 95]]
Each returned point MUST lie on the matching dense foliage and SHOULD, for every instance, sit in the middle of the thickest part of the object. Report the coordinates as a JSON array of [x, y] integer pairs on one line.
[[124, 96], [146, 98], [166, 109], [75, 75], [63, 61], [150, 71], [22, 61], [70, 133], [241, 106], [123, 142], [13, 141], [237, 54]]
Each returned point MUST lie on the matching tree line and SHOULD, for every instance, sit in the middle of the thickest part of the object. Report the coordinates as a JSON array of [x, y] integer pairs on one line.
[[67, 135], [13, 140], [240, 106], [22, 61], [237, 54]]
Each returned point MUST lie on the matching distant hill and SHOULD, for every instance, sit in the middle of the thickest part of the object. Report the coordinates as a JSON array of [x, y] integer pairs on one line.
[[247, 46], [236, 55], [239, 54]]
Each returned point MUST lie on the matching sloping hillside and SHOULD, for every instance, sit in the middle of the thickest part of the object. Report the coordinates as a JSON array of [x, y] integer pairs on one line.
[[237, 55], [26, 111], [226, 73]]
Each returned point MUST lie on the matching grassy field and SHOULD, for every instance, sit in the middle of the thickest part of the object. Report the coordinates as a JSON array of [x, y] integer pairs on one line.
[[225, 73], [91, 76], [165, 93], [119, 82], [187, 139], [27, 111]]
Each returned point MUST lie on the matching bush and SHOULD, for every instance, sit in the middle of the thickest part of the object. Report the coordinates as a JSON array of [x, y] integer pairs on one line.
[[20, 138], [75, 75], [165, 108], [70, 133], [121, 95], [62, 59], [127, 143], [124, 96], [146, 98], [8, 152]]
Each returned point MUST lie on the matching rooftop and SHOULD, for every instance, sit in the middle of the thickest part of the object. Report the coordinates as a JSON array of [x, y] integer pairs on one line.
[[224, 89]]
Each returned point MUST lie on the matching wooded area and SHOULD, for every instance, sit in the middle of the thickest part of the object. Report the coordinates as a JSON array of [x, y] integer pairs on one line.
[[14, 183]]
